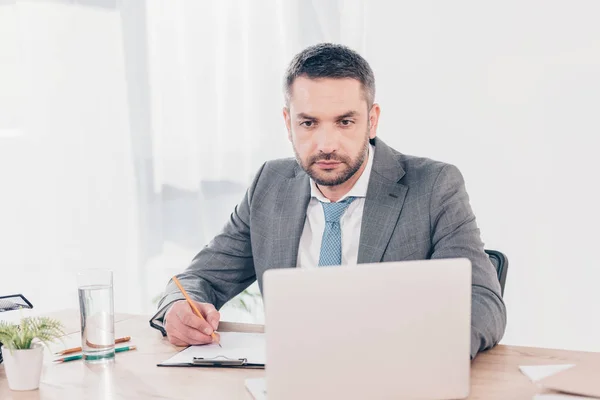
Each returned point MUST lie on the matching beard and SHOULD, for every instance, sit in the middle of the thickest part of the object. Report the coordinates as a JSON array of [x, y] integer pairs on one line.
[[331, 178]]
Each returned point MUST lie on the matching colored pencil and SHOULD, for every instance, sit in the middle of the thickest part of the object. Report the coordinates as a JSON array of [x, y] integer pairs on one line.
[[78, 349], [80, 356]]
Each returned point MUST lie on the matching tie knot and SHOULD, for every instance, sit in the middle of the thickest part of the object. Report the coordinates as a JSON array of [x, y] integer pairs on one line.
[[334, 211]]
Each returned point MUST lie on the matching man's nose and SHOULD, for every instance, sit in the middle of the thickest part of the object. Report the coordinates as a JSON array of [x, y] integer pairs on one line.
[[327, 140]]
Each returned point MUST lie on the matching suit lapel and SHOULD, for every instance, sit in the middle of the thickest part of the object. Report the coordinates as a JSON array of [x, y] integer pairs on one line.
[[288, 222], [383, 204]]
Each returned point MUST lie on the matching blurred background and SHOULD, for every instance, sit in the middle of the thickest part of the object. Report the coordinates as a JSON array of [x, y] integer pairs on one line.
[[130, 129]]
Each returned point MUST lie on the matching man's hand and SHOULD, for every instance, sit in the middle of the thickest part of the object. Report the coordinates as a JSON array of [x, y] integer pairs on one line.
[[185, 328]]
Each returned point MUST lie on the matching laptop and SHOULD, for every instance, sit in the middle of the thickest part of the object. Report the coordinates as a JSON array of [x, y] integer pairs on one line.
[[371, 331]]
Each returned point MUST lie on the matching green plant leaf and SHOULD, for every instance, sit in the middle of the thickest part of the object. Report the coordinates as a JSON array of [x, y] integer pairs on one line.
[[22, 335]]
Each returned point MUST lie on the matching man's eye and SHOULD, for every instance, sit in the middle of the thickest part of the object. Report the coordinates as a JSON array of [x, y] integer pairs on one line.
[[307, 124], [346, 122]]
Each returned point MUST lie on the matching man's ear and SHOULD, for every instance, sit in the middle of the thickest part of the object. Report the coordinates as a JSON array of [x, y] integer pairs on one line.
[[288, 122], [374, 120]]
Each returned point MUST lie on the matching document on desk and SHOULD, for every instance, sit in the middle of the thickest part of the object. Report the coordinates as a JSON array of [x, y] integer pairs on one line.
[[581, 380], [560, 396], [538, 372], [578, 385], [257, 388], [245, 350]]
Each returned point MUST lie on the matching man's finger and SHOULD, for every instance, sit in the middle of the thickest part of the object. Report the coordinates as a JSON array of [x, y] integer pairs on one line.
[[210, 313], [188, 318], [193, 337], [174, 337], [185, 334], [188, 334], [213, 319], [174, 340]]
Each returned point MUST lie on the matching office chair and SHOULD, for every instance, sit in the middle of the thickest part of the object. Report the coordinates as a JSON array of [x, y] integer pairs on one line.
[[500, 262]]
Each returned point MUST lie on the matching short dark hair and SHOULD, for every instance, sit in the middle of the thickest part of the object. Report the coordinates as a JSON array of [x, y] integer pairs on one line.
[[328, 60]]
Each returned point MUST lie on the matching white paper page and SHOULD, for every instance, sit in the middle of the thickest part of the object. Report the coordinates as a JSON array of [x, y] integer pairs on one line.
[[537, 372], [559, 396], [235, 345], [257, 388]]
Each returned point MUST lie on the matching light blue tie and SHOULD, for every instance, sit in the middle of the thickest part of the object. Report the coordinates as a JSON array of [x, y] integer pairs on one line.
[[331, 244]]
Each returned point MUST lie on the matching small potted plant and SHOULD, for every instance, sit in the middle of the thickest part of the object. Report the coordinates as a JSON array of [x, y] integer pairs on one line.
[[23, 351]]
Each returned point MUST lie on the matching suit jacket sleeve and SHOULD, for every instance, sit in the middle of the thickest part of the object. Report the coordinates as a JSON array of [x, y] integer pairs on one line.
[[455, 234], [221, 270]]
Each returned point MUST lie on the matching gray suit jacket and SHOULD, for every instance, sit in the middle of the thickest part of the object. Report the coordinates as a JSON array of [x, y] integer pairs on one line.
[[415, 209]]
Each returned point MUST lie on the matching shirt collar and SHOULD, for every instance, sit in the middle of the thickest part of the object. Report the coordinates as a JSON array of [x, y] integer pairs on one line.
[[358, 190]]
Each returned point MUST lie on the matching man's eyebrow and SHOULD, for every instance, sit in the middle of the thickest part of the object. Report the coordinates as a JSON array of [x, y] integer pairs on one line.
[[349, 114], [305, 116]]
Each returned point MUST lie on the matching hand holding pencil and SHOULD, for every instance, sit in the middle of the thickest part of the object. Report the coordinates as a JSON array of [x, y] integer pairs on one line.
[[189, 322]]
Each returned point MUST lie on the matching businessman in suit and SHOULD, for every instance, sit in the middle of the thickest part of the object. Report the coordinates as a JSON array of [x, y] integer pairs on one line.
[[346, 198]]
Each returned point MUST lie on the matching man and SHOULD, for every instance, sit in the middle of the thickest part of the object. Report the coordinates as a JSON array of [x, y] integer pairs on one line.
[[346, 198]]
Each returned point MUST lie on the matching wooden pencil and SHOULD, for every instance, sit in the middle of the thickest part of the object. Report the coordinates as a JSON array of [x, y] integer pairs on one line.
[[78, 349]]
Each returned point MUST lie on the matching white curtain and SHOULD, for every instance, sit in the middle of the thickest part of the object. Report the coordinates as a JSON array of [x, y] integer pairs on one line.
[[216, 72], [68, 192], [140, 125]]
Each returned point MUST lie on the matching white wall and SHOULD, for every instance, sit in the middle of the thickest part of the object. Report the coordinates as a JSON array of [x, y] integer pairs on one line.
[[9, 82], [509, 92], [66, 182]]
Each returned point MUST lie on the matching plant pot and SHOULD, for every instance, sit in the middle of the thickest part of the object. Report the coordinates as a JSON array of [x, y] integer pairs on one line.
[[23, 367]]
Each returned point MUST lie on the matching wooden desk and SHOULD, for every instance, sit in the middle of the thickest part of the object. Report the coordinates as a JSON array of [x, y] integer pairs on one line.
[[134, 375]]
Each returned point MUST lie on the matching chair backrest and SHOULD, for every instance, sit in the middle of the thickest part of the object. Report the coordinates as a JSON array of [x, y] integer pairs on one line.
[[500, 262]]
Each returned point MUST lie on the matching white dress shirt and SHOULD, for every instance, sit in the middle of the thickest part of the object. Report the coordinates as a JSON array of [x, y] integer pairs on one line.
[[350, 222]]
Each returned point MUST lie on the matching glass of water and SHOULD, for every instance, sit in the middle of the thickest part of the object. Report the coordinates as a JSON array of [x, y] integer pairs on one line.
[[96, 310]]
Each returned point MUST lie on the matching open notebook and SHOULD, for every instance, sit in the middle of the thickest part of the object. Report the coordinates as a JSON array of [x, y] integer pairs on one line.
[[242, 350]]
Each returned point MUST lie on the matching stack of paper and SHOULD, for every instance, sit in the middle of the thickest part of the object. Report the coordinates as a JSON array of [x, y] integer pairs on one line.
[[571, 382], [538, 372]]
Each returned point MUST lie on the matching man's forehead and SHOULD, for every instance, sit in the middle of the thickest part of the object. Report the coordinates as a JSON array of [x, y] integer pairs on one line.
[[327, 96], [308, 88]]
